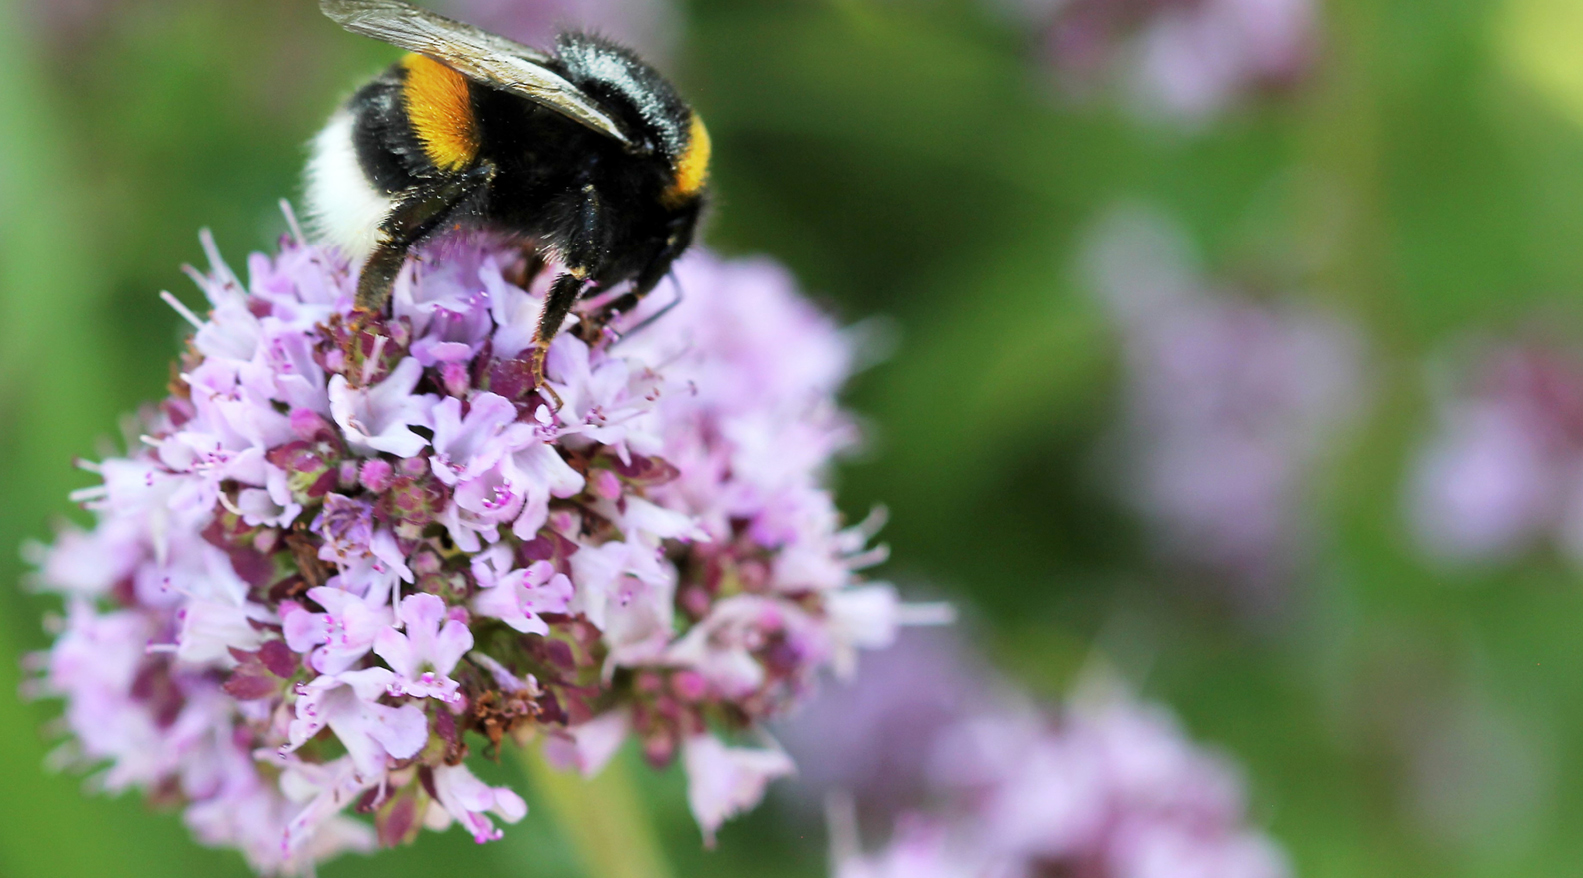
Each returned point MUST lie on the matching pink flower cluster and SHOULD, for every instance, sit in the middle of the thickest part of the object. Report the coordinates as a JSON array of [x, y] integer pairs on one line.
[[1231, 404], [1185, 60], [1504, 471], [347, 552], [892, 716], [1109, 789], [972, 780]]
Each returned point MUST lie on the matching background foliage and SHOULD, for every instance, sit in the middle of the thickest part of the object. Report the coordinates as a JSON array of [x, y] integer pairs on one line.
[[909, 162]]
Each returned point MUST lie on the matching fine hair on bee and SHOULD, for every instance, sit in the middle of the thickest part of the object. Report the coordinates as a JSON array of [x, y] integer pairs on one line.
[[587, 153]]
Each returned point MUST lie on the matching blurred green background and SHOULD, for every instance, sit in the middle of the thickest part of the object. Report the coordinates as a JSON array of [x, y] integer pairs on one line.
[[909, 160]]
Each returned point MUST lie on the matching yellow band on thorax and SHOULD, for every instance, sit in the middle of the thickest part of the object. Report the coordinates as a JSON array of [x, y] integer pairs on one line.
[[440, 107], [692, 166]]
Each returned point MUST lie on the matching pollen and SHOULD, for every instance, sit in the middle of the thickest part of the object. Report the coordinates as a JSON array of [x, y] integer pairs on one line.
[[440, 107], [692, 166]]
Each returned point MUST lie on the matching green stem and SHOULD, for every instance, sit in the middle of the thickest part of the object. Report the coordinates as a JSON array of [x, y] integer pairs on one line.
[[604, 819]]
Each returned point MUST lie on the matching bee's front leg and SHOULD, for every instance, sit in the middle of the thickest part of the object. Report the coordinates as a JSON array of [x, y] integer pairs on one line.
[[583, 247], [564, 293]]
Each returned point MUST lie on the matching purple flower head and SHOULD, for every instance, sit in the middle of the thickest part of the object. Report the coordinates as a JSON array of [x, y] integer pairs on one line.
[[1185, 61], [1110, 787], [1501, 473], [348, 541], [890, 717], [348, 529], [1231, 402]]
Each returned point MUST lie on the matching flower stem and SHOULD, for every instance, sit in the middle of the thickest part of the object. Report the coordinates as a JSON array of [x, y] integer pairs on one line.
[[604, 819]]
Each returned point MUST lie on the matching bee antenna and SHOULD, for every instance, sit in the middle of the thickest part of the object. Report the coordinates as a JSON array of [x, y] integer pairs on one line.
[[647, 321]]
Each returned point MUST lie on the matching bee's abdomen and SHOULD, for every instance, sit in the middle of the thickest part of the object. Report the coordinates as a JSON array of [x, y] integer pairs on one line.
[[415, 122], [388, 149], [439, 107]]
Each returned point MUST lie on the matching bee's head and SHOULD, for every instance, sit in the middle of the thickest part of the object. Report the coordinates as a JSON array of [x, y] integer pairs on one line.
[[656, 118]]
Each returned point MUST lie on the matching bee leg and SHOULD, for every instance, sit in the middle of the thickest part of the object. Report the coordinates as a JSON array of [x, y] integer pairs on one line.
[[591, 327], [648, 321], [414, 218], [658, 269], [563, 295], [622, 304], [583, 252]]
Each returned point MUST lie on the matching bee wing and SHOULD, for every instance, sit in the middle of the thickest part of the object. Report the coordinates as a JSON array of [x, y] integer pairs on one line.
[[477, 54]]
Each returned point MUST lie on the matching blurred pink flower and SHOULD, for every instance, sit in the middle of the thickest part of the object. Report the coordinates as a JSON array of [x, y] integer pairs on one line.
[[1110, 788], [469, 801], [346, 629], [1504, 471], [1181, 60], [1231, 403], [724, 780], [890, 716], [980, 783]]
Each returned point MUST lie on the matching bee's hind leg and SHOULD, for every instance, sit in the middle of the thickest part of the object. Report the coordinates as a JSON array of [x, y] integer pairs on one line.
[[417, 215]]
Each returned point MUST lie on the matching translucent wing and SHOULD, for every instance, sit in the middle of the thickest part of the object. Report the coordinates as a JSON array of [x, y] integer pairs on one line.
[[479, 55]]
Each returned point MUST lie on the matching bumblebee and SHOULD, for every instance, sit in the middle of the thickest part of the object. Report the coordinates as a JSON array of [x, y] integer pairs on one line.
[[588, 154]]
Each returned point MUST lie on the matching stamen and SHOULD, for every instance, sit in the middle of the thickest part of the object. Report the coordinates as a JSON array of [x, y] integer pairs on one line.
[[181, 309]]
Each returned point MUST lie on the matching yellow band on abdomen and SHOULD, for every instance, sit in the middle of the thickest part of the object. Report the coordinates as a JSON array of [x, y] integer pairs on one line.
[[440, 107]]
